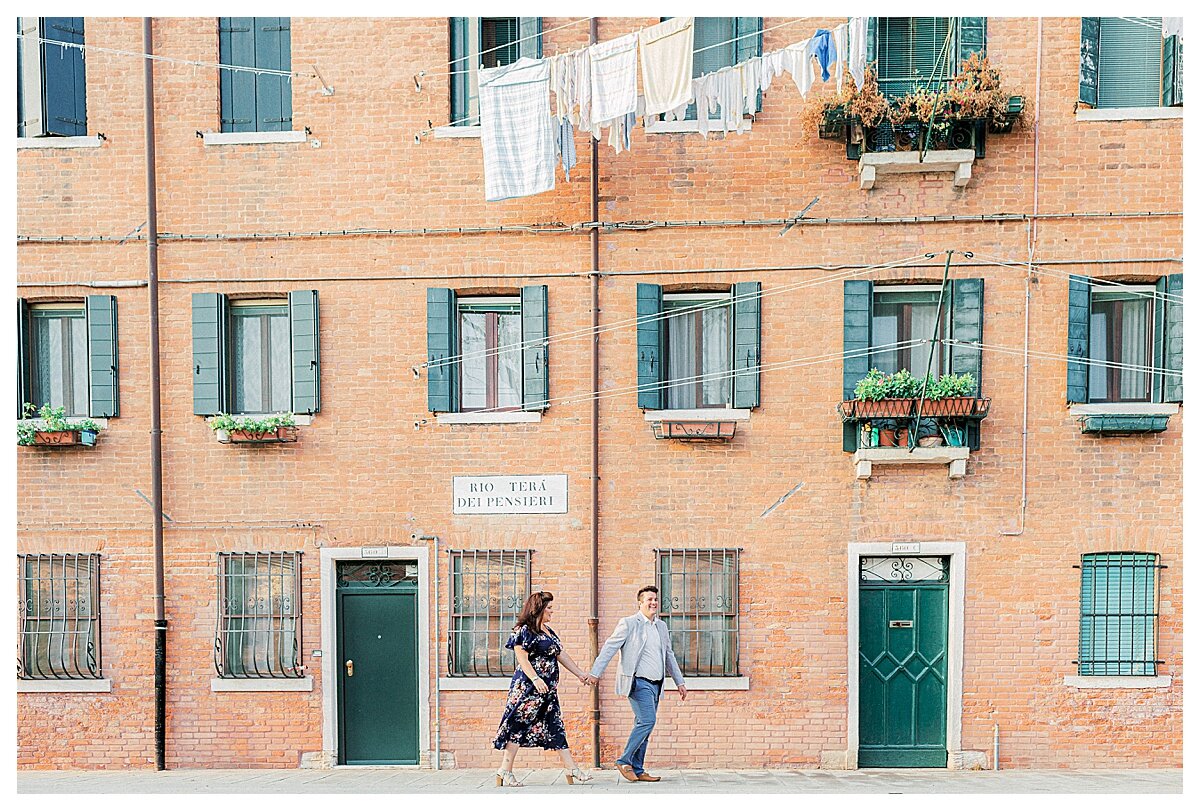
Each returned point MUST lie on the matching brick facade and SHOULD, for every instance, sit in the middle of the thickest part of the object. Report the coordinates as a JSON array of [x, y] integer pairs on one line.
[[369, 472]]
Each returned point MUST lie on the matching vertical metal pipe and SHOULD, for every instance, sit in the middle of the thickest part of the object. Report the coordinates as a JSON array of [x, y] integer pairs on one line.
[[594, 617], [995, 747], [160, 620]]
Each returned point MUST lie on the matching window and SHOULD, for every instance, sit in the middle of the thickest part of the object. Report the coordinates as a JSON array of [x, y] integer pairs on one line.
[[51, 85], [1118, 614], [487, 353], [492, 42], [259, 629], [490, 346], [698, 348], [698, 590], [915, 52], [67, 355], [256, 356], [1122, 323], [721, 42], [488, 588], [907, 314], [60, 616], [256, 102], [1126, 62]]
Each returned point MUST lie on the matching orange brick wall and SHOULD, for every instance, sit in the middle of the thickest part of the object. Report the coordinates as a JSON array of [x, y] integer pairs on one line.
[[365, 474]]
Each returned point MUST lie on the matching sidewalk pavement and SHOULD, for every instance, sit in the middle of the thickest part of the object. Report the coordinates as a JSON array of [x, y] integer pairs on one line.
[[412, 780]]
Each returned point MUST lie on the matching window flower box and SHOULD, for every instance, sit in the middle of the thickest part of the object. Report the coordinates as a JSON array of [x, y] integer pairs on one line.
[[51, 428], [87, 438], [903, 411], [250, 430]]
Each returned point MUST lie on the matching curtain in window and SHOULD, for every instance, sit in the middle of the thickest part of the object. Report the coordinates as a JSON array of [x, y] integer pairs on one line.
[[1097, 372], [262, 373], [1133, 349], [682, 362], [924, 325], [474, 360], [508, 361], [716, 358], [61, 371]]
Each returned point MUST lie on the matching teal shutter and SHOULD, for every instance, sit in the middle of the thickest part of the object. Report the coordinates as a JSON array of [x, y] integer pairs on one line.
[[235, 36], [20, 83], [535, 353], [209, 320], [747, 343], [1172, 72], [1079, 317], [441, 310], [972, 38], [649, 346], [1158, 344], [529, 30], [748, 31], [460, 67], [304, 320], [872, 32], [1118, 609], [857, 296], [1130, 62], [24, 389], [1173, 339], [966, 324], [273, 94], [102, 356], [1089, 60], [63, 79], [910, 51]]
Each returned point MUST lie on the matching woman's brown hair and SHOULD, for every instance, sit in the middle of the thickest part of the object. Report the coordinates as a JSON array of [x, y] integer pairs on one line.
[[531, 613]]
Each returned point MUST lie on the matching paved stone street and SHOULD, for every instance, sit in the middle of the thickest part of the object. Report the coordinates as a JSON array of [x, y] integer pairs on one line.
[[388, 780]]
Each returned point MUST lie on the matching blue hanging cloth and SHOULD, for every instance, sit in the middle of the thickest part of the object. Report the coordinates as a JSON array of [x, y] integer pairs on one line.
[[826, 52]]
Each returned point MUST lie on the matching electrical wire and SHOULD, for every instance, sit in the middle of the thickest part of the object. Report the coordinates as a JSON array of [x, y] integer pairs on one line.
[[1089, 280], [1044, 355]]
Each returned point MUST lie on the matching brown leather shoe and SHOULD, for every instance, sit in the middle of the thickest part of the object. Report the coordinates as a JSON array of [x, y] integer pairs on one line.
[[627, 772], [646, 777]]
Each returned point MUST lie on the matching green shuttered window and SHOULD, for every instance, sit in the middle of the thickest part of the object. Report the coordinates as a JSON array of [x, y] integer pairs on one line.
[[721, 42], [255, 102], [913, 52], [67, 356], [490, 42], [1118, 614], [51, 79], [1126, 62]]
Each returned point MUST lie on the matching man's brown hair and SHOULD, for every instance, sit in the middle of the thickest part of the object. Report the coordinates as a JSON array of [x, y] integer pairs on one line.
[[645, 589]]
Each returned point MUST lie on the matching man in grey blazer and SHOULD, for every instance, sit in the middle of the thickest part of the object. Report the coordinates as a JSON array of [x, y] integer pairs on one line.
[[646, 657]]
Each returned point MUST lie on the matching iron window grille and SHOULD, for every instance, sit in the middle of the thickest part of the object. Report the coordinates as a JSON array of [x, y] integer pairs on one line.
[[488, 587], [60, 617], [259, 629], [1118, 614], [698, 600]]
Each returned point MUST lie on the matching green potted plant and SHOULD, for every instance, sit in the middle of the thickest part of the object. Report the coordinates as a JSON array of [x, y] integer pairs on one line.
[[52, 427], [883, 395], [950, 395], [233, 428]]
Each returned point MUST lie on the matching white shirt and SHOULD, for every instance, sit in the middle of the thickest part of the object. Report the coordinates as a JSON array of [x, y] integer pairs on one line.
[[650, 664]]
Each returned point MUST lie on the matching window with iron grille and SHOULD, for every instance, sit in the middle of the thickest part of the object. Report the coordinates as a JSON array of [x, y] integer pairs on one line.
[[698, 599], [258, 632], [60, 616], [488, 587], [1118, 614]]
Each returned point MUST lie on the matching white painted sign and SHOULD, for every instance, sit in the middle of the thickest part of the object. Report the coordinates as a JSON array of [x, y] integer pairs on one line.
[[510, 495], [906, 549], [374, 551]]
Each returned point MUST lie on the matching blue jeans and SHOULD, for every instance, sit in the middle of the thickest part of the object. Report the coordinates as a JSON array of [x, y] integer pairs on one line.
[[643, 697]]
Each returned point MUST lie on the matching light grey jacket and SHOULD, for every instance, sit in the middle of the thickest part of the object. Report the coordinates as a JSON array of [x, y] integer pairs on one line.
[[629, 638]]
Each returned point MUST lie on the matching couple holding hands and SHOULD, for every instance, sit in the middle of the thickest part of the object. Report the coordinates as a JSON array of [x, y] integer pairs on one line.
[[532, 715]]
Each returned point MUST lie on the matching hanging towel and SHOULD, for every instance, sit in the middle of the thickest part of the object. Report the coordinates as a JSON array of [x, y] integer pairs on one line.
[[1172, 26], [516, 129], [857, 50], [613, 79], [752, 70], [822, 47], [797, 60], [564, 145], [839, 44], [583, 89], [667, 64], [772, 66], [725, 90]]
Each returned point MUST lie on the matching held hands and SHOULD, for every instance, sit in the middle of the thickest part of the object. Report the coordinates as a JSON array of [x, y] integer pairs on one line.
[[588, 679]]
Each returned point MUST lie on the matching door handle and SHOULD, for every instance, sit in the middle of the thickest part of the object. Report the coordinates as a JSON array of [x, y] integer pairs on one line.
[[349, 667], [900, 624]]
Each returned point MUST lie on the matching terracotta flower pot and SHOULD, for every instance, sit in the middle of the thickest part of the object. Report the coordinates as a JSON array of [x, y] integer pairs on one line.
[[949, 407], [285, 433], [56, 438]]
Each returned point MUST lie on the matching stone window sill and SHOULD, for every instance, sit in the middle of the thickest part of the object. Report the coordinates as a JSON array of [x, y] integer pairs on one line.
[[1117, 682], [705, 683], [474, 683], [955, 457], [60, 142], [227, 138], [458, 132], [1131, 409], [958, 161], [699, 415], [64, 685], [693, 126], [488, 417], [302, 685], [1128, 113]]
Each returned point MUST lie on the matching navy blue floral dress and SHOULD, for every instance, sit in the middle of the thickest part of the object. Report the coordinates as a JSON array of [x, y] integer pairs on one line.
[[533, 719]]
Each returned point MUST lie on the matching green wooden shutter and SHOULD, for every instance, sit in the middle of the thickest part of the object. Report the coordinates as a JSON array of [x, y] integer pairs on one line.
[[872, 32], [209, 321], [460, 67], [235, 37], [972, 38], [1172, 72], [529, 31], [1173, 339], [649, 346], [305, 323], [441, 310], [966, 324], [20, 83], [857, 296], [1089, 60], [747, 343], [1130, 62], [273, 94], [24, 388], [64, 83], [747, 47], [1079, 317], [1157, 339], [535, 354], [102, 356], [1118, 608]]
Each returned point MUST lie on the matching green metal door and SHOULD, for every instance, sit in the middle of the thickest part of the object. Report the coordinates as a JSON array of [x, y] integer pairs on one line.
[[902, 640], [377, 665]]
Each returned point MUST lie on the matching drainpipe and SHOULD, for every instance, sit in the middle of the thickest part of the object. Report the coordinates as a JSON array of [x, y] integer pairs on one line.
[[437, 667], [160, 618], [594, 616]]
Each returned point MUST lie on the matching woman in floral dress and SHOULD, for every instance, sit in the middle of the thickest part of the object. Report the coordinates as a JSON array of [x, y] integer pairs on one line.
[[532, 715]]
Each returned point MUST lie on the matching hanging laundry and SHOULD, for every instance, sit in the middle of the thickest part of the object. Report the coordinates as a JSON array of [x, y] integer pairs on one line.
[[516, 129], [564, 145], [667, 50], [772, 66], [1172, 27], [797, 60], [822, 47], [839, 44], [857, 50], [751, 83], [722, 93], [613, 79]]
